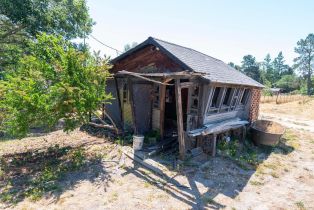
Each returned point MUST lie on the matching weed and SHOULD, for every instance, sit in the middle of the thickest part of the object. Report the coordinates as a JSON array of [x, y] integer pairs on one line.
[[274, 174], [291, 139], [207, 200], [300, 205], [147, 185], [113, 197], [244, 154]]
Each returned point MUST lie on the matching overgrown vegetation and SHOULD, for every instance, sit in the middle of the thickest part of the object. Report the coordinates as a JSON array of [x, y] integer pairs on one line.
[[22, 21], [54, 81], [248, 155], [33, 175]]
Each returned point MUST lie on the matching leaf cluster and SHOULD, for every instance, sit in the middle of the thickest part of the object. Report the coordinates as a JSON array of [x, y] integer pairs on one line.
[[55, 81]]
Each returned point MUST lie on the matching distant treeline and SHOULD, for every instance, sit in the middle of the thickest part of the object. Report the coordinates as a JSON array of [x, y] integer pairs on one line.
[[275, 73]]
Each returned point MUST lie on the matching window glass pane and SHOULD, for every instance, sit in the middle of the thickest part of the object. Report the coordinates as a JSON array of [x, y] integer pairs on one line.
[[245, 96], [227, 98], [215, 101]]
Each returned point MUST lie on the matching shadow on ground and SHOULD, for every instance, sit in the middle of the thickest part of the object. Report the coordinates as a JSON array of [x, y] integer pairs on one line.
[[47, 173], [51, 172], [197, 184]]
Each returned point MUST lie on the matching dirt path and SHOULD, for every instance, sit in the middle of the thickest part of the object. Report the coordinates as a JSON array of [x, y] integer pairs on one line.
[[296, 115], [289, 121]]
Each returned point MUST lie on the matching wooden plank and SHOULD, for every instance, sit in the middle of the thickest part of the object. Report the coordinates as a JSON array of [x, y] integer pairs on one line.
[[142, 77], [162, 99], [186, 84], [119, 102], [130, 85], [201, 107], [180, 119], [214, 145]]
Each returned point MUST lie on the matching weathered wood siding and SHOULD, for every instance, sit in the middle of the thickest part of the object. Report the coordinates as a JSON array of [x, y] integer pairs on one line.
[[142, 106], [147, 60], [113, 109], [156, 119]]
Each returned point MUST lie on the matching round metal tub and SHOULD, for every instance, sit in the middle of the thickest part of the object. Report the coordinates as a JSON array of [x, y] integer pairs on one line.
[[265, 132]]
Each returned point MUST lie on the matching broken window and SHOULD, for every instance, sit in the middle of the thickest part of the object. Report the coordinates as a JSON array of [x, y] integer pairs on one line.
[[235, 98], [245, 97], [225, 99], [217, 93], [194, 100]]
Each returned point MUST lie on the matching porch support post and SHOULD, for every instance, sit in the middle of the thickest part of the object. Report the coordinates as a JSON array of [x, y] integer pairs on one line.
[[162, 110], [180, 119]]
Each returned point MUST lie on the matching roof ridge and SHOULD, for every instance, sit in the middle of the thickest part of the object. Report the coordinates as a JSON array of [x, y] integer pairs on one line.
[[186, 48]]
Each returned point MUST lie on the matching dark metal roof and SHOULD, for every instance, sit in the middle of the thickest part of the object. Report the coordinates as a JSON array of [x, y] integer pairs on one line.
[[213, 69]]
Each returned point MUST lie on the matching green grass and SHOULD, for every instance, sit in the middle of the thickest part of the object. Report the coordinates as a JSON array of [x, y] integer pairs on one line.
[[207, 200], [300, 205], [245, 154], [248, 155]]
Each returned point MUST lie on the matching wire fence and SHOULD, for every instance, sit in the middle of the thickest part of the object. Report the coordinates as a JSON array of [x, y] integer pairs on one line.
[[283, 98]]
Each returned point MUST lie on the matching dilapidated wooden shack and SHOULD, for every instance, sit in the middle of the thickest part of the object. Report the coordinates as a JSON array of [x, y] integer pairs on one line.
[[173, 89]]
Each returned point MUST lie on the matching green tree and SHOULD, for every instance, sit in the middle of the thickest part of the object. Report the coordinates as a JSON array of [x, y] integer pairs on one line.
[[55, 81], [22, 20], [280, 68], [268, 69], [68, 18], [251, 68], [305, 61], [288, 83], [237, 67], [130, 46]]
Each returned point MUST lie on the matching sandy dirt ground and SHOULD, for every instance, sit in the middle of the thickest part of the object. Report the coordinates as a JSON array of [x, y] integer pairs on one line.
[[282, 181], [298, 115]]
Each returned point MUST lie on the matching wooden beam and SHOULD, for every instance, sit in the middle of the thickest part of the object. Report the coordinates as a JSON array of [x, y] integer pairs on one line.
[[162, 99], [141, 77], [120, 104], [180, 119]]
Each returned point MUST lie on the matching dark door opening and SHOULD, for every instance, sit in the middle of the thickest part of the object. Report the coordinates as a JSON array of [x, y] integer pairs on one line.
[[184, 96], [170, 125]]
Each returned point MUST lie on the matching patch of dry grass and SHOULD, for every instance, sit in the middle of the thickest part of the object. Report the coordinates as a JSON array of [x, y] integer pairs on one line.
[[256, 183], [113, 197], [297, 109]]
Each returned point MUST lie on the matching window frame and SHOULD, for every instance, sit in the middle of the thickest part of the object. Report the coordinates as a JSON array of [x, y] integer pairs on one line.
[[234, 100]]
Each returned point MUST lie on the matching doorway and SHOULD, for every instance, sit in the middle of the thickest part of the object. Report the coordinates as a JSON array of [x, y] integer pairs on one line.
[[170, 119]]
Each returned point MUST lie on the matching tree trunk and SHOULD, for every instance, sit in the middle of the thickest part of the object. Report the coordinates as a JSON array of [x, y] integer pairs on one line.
[[309, 81]]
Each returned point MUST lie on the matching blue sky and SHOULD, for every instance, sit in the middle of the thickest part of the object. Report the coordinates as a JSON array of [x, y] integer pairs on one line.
[[224, 29]]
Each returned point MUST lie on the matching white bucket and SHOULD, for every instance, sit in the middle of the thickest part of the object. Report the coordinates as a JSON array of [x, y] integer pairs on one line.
[[138, 141]]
